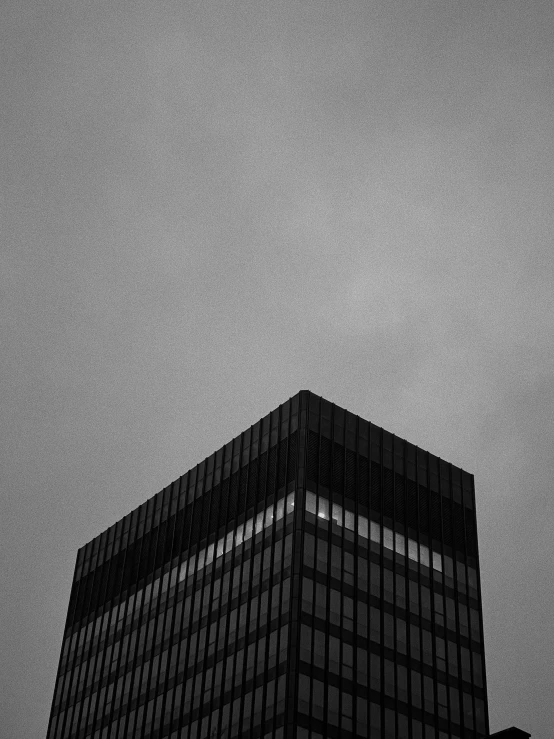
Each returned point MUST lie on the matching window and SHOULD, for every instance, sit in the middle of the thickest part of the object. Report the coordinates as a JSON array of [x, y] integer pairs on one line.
[[361, 717], [442, 700], [477, 670], [375, 672], [304, 694], [320, 600], [400, 591], [348, 568], [375, 718], [389, 678], [401, 638], [464, 620], [439, 609], [346, 711], [362, 574], [468, 711], [480, 715], [427, 642], [334, 655], [466, 664], [322, 553], [361, 619], [374, 624], [307, 594], [336, 566], [402, 683], [452, 658], [333, 705], [337, 514], [349, 521], [425, 603], [451, 615], [317, 699], [454, 705], [311, 502], [347, 613], [416, 688], [428, 697], [305, 643], [414, 598], [475, 627], [361, 666], [334, 607], [319, 648], [388, 586], [375, 580], [388, 630], [323, 508], [390, 721], [347, 660]]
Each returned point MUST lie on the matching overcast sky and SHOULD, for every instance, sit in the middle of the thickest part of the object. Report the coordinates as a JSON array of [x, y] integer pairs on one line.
[[209, 205]]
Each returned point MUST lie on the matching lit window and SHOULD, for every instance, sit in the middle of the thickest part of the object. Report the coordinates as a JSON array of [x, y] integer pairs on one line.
[[400, 544], [412, 550], [210, 554], [259, 522], [337, 514], [268, 517], [375, 532], [388, 538], [248, 527], [311, 502], [229, 541], [424, 555], [349, 520], [290, 502], [437, 561], [323, 508], [279, 510], [363, 527]]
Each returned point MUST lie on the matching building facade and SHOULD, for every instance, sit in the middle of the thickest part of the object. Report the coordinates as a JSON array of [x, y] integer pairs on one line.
[[316, 577]]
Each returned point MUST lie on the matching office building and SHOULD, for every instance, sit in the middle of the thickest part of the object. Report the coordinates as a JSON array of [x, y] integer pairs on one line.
[[315, 577]]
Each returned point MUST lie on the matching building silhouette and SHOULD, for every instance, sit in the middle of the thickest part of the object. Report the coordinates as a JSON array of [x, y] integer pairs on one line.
[[315, 577]]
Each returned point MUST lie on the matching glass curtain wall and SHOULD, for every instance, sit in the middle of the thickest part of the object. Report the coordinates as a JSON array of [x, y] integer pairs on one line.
[[179, 617], [390, 611]]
